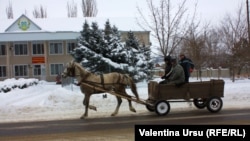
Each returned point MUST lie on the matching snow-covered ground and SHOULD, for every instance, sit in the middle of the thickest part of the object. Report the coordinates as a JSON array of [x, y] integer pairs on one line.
[[48, 101]]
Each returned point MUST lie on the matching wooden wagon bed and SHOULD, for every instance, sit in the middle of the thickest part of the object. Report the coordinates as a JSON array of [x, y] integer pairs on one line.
[[202, 94], [186, 91]]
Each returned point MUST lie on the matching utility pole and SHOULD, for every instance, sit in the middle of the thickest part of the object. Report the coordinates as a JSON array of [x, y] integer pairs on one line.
[[248, 26]]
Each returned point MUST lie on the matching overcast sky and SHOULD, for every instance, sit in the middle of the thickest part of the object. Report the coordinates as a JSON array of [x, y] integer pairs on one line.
[[210, 10]]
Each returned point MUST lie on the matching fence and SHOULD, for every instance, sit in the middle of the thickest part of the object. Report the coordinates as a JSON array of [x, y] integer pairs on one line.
[[220, 73], [209, 72], [213, 73]]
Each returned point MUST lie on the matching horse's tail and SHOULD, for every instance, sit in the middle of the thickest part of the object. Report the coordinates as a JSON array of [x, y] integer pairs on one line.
[[132, 85]]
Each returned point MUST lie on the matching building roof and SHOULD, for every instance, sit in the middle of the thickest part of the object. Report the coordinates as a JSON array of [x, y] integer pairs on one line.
[[65, 24], [35, 29]]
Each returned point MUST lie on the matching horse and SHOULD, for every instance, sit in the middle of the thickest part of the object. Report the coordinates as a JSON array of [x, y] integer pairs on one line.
[[113, 81]]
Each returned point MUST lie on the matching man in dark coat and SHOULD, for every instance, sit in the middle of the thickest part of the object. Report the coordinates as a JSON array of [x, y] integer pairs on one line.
[[187, 65], [168, 69]]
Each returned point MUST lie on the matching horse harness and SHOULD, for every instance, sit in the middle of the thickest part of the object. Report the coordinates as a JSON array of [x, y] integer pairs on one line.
[[103, 84], [102, 80]]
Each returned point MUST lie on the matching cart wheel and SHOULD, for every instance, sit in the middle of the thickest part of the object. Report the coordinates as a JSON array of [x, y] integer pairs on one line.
[[199, 103], [162, 107], [214, 104], [150, 108]]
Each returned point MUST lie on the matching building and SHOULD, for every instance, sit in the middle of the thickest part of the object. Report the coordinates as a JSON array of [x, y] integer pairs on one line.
[[39, 48]]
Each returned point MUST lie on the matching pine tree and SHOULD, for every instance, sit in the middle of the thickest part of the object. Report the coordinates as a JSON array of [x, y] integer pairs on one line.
[[107, 48], [118, 50], [101, 51], [132, 47], [149, 62], [83, 40], [132, 41], [139, 57], [89, 51]]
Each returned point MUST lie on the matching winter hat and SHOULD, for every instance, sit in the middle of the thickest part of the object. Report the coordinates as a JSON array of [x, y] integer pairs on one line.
[[173, 60], [182, 54], [167, 58]]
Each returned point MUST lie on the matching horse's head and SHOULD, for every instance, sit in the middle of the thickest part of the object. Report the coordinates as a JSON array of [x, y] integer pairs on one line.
[[69, 70]]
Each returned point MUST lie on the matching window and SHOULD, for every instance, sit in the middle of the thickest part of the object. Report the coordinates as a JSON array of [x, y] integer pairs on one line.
[[3, 71], [21, 49], [21, 70], [56, 69], [55, 48], [2, 49], [71, 45], [37, 70], [37, 48]]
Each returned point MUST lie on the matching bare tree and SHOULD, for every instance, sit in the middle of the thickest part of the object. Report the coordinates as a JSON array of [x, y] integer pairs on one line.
[[89, 8], [72, 9], [25, 12], [214, 54], [9, 11], [167, 23], [193, 45], [40, 12], [234, 37]]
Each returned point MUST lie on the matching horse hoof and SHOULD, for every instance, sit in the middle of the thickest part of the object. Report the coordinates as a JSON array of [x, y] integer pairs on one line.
[[133, 110], [83, 117]]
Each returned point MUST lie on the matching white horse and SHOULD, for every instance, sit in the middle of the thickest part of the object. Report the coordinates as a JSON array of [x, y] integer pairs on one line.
[[109, 82]]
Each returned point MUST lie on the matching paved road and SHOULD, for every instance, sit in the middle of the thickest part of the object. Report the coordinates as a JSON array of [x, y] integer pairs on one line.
[[114, 128]]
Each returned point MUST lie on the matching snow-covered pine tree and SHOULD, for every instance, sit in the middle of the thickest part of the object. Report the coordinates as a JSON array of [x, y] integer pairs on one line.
[[108, 34], [118, 52], [83, 40], [101, 51], [113, 49], [132, 41], [89, 50], [136, 57], [149, 62]]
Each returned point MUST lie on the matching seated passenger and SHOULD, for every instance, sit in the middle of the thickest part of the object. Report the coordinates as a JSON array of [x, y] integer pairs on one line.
[[168, 69], [177, 76]]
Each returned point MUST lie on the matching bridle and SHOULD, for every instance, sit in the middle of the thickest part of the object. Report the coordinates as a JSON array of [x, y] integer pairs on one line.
[[70, 71]]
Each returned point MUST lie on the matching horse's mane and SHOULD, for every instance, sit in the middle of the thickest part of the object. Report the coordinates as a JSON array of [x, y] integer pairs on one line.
[[81, 67]]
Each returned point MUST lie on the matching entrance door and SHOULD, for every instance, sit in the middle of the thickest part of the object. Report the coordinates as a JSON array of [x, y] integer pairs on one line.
[[37, 70]]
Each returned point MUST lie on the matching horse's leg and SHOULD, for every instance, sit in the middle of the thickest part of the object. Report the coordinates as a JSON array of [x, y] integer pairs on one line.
[[119, 101], [92, 107], [131, 108], [86, 103]]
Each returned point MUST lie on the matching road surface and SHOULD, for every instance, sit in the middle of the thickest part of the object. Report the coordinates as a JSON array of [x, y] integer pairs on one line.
[[120, 128]]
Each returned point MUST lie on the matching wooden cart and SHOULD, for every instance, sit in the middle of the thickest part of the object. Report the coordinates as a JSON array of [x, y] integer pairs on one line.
[[202, 94]]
